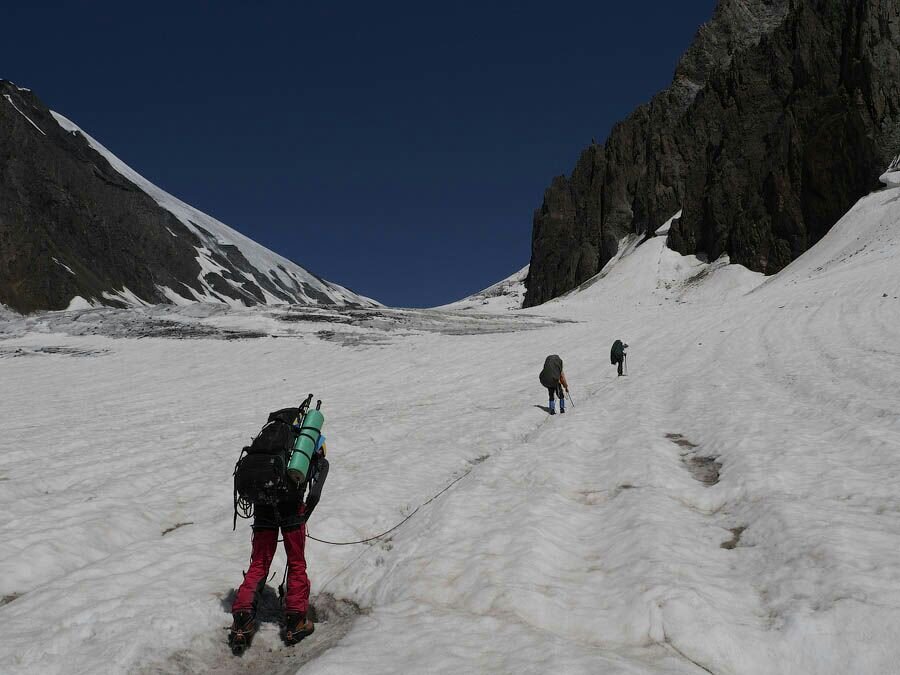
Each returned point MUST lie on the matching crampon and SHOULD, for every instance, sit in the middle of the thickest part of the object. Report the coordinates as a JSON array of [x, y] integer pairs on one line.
[[295, 628], [241, 633]]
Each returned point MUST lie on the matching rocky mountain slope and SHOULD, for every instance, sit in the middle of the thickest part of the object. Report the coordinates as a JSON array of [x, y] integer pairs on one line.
[[781, 114], [78, 225]]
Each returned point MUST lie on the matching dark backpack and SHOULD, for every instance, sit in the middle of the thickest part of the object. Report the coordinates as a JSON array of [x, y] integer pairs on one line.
[[617, 353], [260, 475], [551, 372]]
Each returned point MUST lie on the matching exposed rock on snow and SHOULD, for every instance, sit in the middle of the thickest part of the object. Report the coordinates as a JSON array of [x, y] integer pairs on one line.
[[703, 468], [732, 543]]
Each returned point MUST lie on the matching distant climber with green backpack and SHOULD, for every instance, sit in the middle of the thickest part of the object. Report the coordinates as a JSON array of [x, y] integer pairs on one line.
[[553, 377], [270, 480], [617, 355]]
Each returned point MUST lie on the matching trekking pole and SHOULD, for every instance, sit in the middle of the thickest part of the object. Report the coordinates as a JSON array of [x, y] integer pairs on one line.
[[570, 398], [625, 359], [304, 406]]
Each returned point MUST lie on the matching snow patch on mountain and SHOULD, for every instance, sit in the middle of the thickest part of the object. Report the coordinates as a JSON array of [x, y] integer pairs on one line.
[[664, 228], [281, 280], [6, 313], [505, 295], [79, 303], [63, 265], [125, 297]]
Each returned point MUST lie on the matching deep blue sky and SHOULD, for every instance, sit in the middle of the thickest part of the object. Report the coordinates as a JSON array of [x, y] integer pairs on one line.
[[398, 148]]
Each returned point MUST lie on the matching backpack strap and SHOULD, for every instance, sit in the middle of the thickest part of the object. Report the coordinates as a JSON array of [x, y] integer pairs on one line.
[[236, 500]]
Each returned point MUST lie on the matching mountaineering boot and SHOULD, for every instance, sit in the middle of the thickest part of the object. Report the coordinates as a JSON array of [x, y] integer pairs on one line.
[[296, 627], [241, 632], [552, 407]]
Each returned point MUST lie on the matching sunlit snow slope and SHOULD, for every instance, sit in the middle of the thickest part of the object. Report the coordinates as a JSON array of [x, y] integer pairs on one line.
[[504, 295], [730, 507]]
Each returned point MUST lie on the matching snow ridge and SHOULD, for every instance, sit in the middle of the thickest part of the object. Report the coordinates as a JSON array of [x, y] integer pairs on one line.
[[289, 278], [507, 294]]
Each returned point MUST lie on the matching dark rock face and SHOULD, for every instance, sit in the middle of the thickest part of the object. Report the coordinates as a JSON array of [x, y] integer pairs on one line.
[[61, 199], [780, 116], [796, 131], [71, 224]]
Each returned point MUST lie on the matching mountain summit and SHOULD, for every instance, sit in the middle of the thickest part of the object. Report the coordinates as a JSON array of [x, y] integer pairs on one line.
[[78, 227]]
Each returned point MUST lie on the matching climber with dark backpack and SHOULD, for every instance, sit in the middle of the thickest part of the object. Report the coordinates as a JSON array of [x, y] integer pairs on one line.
[[618, 357], [285, 462], [554, 379]]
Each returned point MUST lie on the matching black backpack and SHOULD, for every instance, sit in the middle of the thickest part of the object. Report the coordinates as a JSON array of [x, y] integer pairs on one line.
[[260, 475], [617, 352]]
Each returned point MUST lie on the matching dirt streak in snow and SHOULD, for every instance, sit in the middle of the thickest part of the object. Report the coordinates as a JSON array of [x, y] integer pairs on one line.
[[267, 654]]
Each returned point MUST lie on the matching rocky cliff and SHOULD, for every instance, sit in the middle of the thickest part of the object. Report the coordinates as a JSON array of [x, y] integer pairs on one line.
[[781, 114], [76, 222]]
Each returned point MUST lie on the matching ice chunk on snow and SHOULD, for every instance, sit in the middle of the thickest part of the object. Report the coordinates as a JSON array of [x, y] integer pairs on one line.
[[664, 228], [79, 303], [891, 177]]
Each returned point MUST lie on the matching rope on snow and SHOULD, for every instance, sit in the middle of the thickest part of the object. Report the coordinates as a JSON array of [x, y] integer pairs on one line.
[[386, 532]]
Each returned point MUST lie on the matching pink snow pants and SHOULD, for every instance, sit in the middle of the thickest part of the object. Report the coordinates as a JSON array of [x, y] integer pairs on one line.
[[264, 543]]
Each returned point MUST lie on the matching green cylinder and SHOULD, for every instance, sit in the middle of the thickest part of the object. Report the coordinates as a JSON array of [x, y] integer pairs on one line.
[[305, 445]]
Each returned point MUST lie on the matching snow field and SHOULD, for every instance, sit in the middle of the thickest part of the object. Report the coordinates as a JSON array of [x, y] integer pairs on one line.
[[582, 543]]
